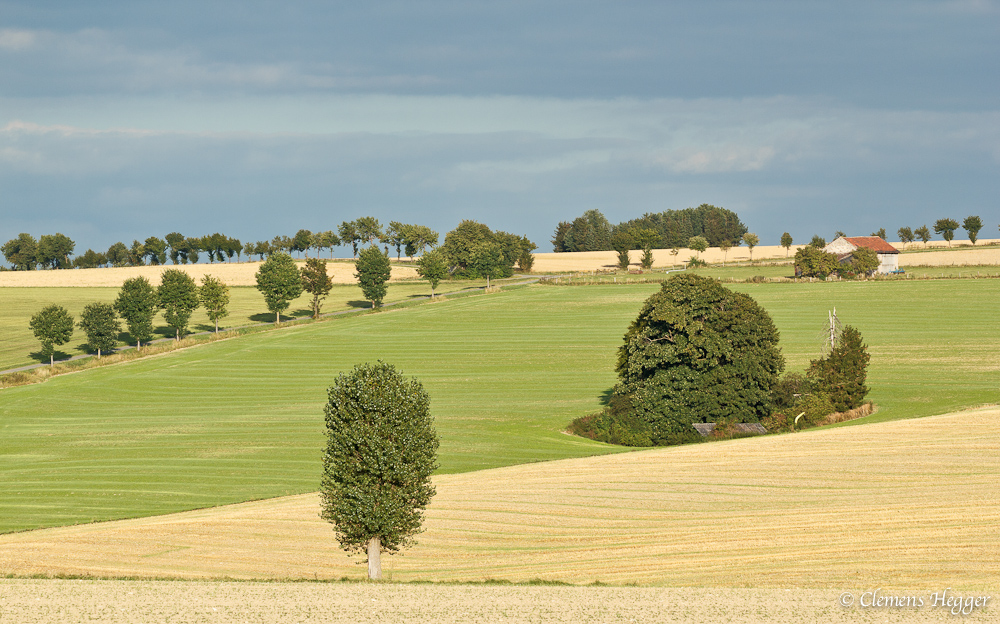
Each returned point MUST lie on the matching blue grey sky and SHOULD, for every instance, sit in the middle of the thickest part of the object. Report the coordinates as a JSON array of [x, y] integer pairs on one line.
[[122, 120]]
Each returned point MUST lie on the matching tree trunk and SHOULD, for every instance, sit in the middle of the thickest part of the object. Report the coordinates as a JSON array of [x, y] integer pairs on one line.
[[375, 558], [216, 325], [138, 345], [277, 318], [52, 364], [98, 353]]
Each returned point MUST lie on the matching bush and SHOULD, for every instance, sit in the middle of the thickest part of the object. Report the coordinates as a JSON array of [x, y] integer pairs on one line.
[[841, 375], [695, 261]]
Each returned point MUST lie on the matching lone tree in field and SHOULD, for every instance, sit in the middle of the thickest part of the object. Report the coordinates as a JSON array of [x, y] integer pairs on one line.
[[380, 452], [178, 298], [316, 282], [373, 272], [433, 267], [946, 228], [786, 242], [278, 280], [751, 240], [724, 247], [698, 244], [905, 236], [698, 352], [136, 304], [972, 225], [52, 326], [214, 297], [101, 325]]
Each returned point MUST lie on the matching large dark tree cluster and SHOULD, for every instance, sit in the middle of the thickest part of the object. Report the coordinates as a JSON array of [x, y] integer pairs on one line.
[[673, 228], [698, 352]]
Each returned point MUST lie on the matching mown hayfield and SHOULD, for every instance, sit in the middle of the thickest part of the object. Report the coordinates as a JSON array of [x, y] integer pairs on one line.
[[241, 419], [19, 346], [903, 505], [128, 602]]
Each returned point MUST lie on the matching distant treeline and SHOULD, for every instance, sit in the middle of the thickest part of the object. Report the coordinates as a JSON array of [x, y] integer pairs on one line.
[[673, 228], [55, 251]]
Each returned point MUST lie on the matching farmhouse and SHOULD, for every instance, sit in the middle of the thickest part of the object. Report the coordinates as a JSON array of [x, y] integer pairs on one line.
[[844, 246]]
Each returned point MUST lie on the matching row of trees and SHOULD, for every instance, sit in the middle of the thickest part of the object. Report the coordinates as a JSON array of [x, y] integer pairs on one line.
[[812, 261], [670, 229], [24, 253], [137, 304]]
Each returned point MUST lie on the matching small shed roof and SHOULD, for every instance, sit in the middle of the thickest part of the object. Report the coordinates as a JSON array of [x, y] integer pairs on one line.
[[875, 243]]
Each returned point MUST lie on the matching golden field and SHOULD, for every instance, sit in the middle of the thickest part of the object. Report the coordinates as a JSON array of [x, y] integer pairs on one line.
[[141, 602], [233, 274], [909, 505]]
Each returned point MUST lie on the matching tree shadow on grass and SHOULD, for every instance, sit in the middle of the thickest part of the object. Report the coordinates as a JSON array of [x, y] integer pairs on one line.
[[606, 396], [268, 317], [44, 359], [360, 304]]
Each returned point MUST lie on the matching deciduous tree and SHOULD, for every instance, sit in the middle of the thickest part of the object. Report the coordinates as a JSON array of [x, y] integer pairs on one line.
[[316, 281], [812, 261], [213, 294], [54, 251], [349, 235], [905, 236], [698, 244], [432, 267], [136, 304], [622, 242], [750, 240], [817, 241], [380, 453], [53, 326], [373, 271], [923, 234], [279, 281], [101, 325], [972, 225], [946, 228], [21, 252], [786, 242], [177, 296], [698, 352]]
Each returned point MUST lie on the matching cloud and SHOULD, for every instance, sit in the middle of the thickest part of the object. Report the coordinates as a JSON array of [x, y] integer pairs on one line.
[[16, 39]]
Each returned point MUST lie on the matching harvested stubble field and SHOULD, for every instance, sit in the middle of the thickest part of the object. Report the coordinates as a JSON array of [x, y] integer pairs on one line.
[[907, 506], [234, 274], [141, 602]]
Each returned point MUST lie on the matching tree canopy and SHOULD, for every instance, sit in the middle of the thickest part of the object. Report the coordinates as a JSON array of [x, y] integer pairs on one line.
[[373, 271], [317, 282], [279, 281], [53, 326], [136, 303], [214, 297], [946, 228], [697, 352], [101, 325], [178, 298], [972, 225], [842, 373], [380, 453], [433, 268]]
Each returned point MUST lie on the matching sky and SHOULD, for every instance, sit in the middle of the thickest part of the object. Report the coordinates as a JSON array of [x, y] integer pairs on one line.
[[121, 120]]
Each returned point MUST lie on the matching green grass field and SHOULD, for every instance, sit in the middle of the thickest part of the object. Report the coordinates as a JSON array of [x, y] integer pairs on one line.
[[241, 419], [19, 346]]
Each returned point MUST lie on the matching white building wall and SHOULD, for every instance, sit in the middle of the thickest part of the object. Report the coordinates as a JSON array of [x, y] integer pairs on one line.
[[888, 262]]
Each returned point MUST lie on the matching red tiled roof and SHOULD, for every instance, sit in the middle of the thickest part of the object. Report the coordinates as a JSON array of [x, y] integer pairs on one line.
[[874, 243]]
